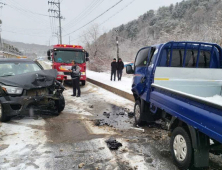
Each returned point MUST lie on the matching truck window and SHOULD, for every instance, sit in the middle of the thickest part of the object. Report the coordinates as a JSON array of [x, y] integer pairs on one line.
[[190, 61], [191, 58], [152, 56], [141, 59], [204, 59], [177, 58]]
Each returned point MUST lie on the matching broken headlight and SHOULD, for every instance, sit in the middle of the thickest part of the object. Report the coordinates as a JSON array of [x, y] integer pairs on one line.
[[12, 90]]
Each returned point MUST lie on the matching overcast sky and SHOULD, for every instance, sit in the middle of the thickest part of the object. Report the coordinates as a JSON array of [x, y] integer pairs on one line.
[[28, 20]]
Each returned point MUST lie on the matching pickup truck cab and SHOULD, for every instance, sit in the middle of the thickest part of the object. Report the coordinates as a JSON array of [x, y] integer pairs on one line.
[[181, 83]]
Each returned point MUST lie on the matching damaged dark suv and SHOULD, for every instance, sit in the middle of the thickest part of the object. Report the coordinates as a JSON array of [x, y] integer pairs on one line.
[[26, 88]]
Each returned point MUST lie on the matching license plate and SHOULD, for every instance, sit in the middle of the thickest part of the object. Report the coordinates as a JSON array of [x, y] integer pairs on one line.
[[68, 77]]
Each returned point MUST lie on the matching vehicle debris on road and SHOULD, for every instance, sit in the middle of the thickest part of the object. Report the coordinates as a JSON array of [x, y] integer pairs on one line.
[[131, 114], [140, 129], [113, 144]]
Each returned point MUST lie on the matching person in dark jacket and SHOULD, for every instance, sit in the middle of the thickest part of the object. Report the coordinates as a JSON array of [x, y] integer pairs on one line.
[[75, 74], [120, 67], [113, 69]]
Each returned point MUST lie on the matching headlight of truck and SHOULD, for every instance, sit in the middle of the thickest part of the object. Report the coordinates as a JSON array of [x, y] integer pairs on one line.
[[83, 73], [12, 90], [60, 73]]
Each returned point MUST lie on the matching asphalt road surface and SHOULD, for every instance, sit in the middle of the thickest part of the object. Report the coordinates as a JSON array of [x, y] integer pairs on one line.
[[76, 138]]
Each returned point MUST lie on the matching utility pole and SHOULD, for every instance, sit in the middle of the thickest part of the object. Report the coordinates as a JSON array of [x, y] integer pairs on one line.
[[117, 44], [1, 46], [58, 12], [56, 34]]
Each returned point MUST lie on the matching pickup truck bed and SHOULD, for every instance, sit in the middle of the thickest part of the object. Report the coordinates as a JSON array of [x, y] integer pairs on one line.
[[191, 97]]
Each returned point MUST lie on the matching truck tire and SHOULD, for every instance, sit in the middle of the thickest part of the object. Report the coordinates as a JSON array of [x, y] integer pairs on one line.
[[181, 148], [3, 116], [138, 113], [60, 104], [83, 82]]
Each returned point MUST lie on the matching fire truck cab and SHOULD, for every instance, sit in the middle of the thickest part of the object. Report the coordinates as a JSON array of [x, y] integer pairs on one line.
[[62, 55]]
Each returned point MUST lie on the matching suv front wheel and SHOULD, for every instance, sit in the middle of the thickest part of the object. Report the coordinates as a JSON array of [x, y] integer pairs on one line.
[[3, 116]]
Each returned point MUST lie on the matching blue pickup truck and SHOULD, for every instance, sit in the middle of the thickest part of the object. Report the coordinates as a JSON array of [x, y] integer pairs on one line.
[[180, 83]]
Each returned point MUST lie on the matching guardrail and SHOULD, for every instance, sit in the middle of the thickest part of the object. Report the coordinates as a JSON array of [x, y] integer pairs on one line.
[[112, 89]]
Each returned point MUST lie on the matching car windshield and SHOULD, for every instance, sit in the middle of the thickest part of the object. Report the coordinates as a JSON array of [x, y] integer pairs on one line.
[[69, 56], [11, 69]]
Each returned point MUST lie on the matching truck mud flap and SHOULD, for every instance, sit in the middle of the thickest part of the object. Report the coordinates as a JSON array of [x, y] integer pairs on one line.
[[201, 146]]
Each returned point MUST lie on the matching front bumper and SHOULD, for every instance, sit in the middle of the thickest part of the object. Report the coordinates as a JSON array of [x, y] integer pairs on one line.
[[21, 105], [68, 77]]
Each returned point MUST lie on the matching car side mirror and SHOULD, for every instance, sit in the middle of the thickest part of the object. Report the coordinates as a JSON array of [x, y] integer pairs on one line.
[[87, 58], [87, 55], [49, 53], [129, 69], [49, 58]]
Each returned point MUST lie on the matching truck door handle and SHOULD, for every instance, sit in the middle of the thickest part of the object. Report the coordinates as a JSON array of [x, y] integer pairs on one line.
[[143, 79]]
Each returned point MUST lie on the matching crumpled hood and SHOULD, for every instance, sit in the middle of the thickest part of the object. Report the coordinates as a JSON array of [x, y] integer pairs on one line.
[[37, 79]]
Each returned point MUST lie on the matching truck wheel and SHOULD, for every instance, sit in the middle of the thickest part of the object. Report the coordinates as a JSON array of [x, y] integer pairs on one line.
[[83, 82], [137, 113], [181, 148], [3, 116], [60, 103]]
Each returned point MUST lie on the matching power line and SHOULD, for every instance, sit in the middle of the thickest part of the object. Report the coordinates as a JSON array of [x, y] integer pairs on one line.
[[28, 16], [95, 18], [117, 12], [26, 10], [87, 11], [26, 30], [22, 34], [108, 19], [83, 13]]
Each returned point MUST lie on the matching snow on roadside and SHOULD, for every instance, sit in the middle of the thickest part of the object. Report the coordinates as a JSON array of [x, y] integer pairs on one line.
[[124, 85], [21, 144]]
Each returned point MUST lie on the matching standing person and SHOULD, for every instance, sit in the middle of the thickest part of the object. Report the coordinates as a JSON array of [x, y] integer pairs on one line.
[[113, 69], [120, 67], [75, 74]]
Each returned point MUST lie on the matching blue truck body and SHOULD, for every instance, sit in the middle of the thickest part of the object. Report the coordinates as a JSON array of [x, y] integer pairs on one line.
[[182, 98]]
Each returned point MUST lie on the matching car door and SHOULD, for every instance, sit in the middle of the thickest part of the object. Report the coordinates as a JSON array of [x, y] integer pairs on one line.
[[140, 67]]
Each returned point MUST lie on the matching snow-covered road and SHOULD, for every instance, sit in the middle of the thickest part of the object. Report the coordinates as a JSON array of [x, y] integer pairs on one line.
[[72, 138]]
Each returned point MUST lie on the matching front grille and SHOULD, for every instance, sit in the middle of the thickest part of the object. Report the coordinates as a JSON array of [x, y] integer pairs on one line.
[[37, 92], [67, 73]]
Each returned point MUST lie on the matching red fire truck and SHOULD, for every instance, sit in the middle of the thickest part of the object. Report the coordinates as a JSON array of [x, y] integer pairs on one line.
[[62, 55]]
